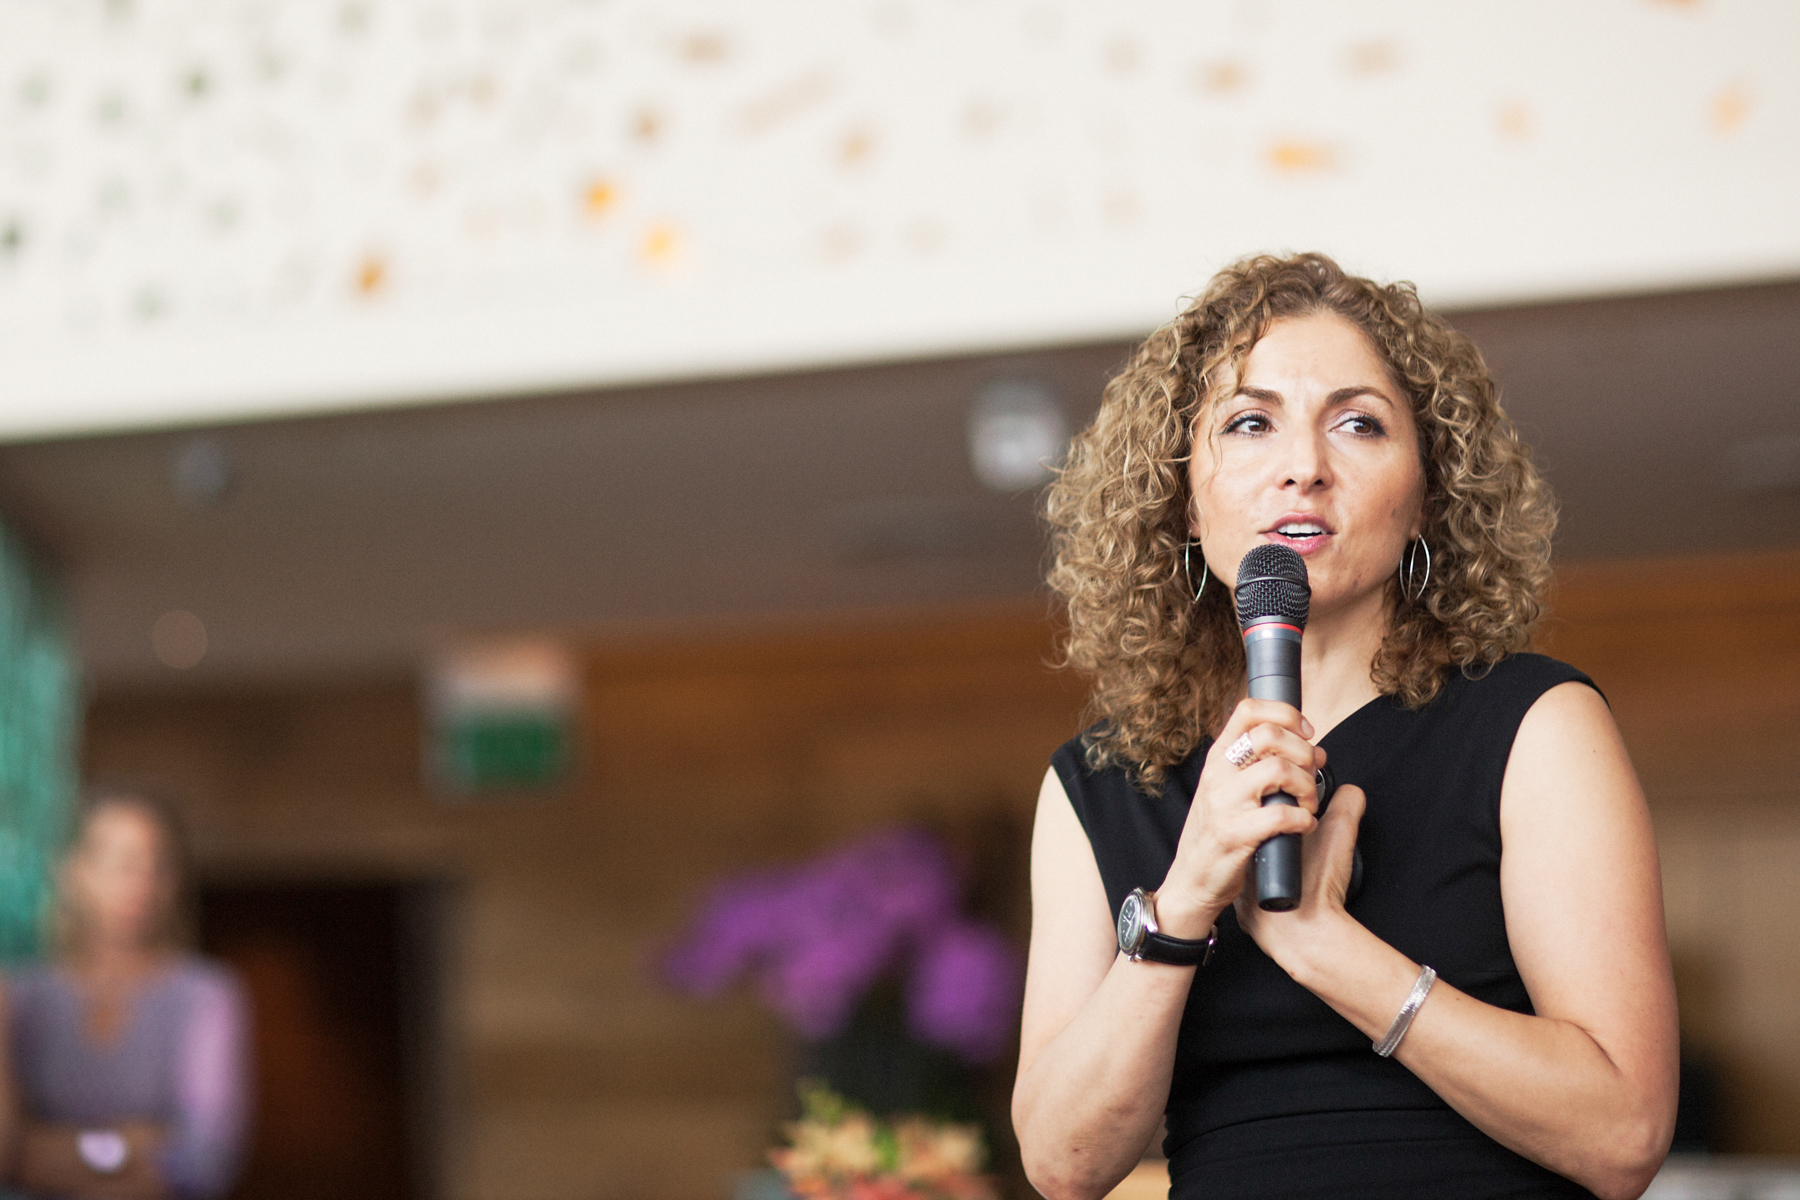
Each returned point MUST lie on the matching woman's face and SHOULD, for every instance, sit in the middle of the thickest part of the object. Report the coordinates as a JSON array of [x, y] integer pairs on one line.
[[117, 875], [1314, 448]]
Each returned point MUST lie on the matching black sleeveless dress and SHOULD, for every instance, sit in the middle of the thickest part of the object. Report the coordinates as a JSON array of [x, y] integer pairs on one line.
[[1274, 1094]]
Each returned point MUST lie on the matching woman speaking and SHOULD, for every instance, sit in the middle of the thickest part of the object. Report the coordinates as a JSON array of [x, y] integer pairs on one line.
[[1489, 1012]]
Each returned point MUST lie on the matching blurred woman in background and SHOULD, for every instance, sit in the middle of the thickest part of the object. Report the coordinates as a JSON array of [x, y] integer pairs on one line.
[[129, 1055], [1508, 854]]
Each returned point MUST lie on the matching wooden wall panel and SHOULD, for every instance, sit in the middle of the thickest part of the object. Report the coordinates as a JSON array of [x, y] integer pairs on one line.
[[582, 1079]]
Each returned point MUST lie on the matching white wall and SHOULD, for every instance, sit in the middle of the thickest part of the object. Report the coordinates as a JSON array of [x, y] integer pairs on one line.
[[219, 208]]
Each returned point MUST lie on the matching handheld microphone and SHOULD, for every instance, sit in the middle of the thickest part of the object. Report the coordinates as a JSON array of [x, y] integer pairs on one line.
[[1273, 599]]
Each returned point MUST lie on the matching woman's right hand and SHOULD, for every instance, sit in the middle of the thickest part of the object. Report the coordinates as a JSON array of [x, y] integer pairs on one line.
[[1227, 820]]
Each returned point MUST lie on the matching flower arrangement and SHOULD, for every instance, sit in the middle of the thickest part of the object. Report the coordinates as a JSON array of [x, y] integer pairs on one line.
[[838, 1152], [817, 937]]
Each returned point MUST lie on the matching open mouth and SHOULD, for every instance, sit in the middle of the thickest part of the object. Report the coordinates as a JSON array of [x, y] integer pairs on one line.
[[1301, 535]]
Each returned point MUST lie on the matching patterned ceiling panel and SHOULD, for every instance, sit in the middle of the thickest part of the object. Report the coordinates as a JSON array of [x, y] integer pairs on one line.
[[221, 208]]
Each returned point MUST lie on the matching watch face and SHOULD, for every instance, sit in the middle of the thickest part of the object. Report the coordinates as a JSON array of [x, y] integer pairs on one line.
[[1131, 924]]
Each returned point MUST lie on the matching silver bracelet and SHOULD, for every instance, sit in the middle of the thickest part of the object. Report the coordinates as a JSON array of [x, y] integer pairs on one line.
[[1404, 1018]]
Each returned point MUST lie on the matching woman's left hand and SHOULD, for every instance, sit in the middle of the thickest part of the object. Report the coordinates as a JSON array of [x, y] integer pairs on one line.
[[1326, 857]]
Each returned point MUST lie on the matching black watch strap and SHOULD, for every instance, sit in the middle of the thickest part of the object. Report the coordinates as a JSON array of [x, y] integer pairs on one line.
[[1178, 952], [1141, 941]]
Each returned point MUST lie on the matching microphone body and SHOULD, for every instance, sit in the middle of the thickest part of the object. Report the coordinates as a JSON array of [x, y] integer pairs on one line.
[[1273, 599], [1273, 650]]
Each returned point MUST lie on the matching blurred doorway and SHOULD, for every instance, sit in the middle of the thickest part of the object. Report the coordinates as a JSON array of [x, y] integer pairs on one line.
[[344, 985]]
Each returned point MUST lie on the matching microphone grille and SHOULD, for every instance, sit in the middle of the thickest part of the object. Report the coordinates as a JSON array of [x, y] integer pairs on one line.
[[1271, 582]]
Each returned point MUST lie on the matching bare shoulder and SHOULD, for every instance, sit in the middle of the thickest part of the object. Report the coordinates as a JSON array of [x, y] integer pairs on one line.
[[1571, 803], [1567, 760], [1068, 900]]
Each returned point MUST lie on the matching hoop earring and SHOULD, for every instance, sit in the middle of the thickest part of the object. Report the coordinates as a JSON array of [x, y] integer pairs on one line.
[[1409, 564], [1187, 568]]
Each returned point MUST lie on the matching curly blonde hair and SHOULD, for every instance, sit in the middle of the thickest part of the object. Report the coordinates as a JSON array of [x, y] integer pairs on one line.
[[1166, 670]]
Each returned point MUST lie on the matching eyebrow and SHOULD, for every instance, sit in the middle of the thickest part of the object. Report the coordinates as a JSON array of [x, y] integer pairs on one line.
[[1337, 397]]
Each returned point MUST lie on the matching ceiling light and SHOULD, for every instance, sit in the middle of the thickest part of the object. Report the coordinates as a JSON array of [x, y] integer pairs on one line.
[[1017, 434], [179, 639], [201, 473]]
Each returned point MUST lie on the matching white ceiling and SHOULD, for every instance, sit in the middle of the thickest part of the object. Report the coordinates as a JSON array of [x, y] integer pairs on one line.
[[218, 209]]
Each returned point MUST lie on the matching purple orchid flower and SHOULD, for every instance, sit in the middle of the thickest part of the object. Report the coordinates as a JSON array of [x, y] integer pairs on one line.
[[817, 936], [964, 992]]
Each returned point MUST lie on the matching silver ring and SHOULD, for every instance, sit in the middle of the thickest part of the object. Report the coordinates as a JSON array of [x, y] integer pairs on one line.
[[1240, 753]]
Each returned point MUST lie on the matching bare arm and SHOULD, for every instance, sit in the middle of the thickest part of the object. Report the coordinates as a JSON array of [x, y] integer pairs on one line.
[[212, 1092], [1097, 1041], [1587, 1086], [1098, 1035]]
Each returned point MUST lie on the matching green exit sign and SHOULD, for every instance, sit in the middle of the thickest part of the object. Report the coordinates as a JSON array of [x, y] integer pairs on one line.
[[505, 750], [500, 718]]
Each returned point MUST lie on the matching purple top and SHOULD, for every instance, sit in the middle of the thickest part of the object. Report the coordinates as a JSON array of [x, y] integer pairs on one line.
[[182, 1060]]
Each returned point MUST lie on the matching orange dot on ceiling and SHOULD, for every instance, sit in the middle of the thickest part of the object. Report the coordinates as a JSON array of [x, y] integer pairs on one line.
[[1220, 77], [1729, 109], [371, 276], [1374, 58], [705, 48], [856, 147], [599, 197], [661, 245], [646, 125], [1514, 121], [1296, 158]]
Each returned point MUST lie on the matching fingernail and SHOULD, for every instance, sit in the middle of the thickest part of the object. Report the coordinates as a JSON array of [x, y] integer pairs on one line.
[[1306, 729]]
